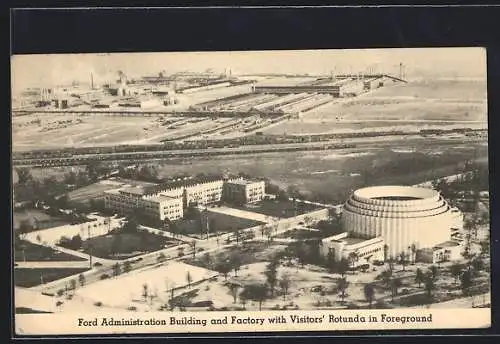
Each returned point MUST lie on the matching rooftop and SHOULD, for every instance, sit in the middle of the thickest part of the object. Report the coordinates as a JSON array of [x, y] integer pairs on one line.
[[135, 190], [190, 181], [353, 241], [395, 192], [448, 243], [160, 198], [243, 181]]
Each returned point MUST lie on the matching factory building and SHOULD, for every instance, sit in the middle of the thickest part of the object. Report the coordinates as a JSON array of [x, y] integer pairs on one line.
[[403, 216], [244, 191], [333, 89]]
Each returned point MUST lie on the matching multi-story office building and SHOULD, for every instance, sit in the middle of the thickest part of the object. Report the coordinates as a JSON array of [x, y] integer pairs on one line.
[[244, 191], [158, 206], [204, 193], [170, 199], [162, 207]]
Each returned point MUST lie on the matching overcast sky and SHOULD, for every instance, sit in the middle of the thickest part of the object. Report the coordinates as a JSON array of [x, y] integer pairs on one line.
[[50, 70]]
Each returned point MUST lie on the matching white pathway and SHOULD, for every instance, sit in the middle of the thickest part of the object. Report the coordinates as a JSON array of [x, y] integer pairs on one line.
[[53, 265], [244, 214]]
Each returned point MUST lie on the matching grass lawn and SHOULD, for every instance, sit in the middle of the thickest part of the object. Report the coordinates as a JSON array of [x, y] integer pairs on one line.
[[280, 208], [125, 245], [27, 278], [249, 253], [218, 223], [33, 252], [93, 191], [38, 219]]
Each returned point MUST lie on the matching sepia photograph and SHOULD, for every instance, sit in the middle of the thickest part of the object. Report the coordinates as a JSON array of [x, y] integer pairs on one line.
[[250, 191]]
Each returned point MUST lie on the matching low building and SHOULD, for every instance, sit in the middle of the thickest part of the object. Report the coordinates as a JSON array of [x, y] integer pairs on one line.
[[444, 252], [344, 246], [244, 191]]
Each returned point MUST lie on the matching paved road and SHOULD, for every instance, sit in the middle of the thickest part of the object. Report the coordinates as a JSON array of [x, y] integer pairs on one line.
[[147, 260], [53, 265]]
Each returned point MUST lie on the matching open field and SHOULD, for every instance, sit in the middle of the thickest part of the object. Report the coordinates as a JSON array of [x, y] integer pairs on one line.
[[24, 277], [279, 208], [93, 191], [127, 290], [34, 253], [331, 174], [249, 253], [307, 126], [42, 173], [92, 130], [37, 218], [96, 190], [417, 105], [464, 90], [126, 245], [218, 223]]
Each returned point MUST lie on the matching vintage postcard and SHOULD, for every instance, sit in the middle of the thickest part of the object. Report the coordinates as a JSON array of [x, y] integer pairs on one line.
[[202, 192]]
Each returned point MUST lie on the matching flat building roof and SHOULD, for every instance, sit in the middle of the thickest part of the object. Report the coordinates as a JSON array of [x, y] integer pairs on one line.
[[243, 181]]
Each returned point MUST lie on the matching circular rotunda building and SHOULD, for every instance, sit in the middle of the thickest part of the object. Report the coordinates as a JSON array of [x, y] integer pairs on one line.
[[401, 215]]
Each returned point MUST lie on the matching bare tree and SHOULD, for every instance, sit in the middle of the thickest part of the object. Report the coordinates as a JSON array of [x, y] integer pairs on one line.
[[73, 285], [145, 292], [456, 271], [369, 291], [342, 285], [284, 283], [234, 288], [81, 279], [193, 247], [403, 259]]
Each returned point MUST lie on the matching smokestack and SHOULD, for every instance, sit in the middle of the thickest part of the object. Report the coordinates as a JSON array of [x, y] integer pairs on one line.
[[91, 81], [401, 70]]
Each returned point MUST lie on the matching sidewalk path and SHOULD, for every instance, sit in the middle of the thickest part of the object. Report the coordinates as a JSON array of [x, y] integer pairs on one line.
[[53, 265], [243, 213], [167, 234]]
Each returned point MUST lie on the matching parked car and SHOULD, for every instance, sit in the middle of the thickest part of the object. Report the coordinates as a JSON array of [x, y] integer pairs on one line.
[[316, 289]]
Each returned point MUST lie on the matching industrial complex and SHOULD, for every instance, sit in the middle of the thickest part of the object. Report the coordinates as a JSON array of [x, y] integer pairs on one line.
[[222, 191]]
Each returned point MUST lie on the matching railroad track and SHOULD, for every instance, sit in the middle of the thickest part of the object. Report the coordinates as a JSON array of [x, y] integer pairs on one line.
[[81, 159]]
